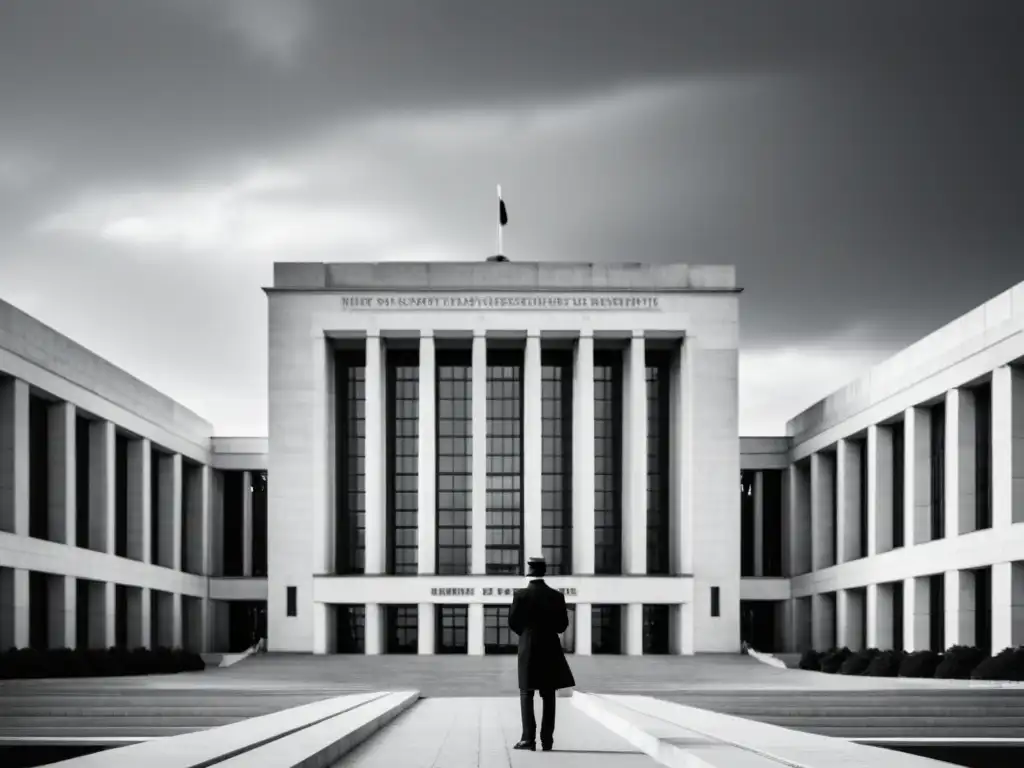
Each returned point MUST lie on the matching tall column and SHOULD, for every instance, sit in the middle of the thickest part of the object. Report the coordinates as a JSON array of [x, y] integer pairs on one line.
[[101, 614], [321, 629], [478, 534], [14, 611], [62, 475], [373, 629], [532, 449], [634, 629], [426, 524], [140, 480], [961, 462], [1007, 605], [848, 499], [247, 523], [800, 522], [204, 557], [169, 518], [634, 458], [917, 481], [879, 630], [681, 391], [823, 621], [475, 629], [140, 620], [916, 614], [584, 629], [759, 523], [822, 511], [425, 628], [960, 608], [102, 440], [1007, 446], [374, 462], [14, 455], [850, 619], [217, 524], [682, 629], [583, 465], [62, 620], [880, 489]]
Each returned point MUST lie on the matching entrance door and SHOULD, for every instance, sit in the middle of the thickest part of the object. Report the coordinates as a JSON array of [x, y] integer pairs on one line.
[[498, 638], [757, 624]]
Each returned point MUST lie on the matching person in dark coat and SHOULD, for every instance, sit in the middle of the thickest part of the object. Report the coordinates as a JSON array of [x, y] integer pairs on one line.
[[539, 616]]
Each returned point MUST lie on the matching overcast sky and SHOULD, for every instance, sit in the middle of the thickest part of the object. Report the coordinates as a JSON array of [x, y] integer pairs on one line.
[[861, 163]]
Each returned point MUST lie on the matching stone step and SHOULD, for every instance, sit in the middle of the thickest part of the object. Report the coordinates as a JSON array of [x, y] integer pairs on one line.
[[176, 721]]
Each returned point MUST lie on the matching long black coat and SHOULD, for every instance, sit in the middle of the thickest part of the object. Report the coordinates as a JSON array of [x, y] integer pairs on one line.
[[539, 616]]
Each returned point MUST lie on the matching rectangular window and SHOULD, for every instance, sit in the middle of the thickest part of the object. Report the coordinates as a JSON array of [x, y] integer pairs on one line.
[[983, 456], [833, 458], [556, 460], [607, 462], [937, 612], [747, 522], [714, 603], [259, 524], [402, 628], [155, 492], [452, 628], [498, 638], [454, 461], [771, 494], [898, 480], [121, 507], [656, 634], [606, 629], [39, 468], [350, 456], [293, 599], [403, 425], [350, 628], [983, 609], [659, 426], [938, 467], [504, 462]]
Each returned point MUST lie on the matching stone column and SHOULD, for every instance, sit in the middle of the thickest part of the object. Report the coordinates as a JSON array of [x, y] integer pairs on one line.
[[823, 621], [823, 548], [879, 630], [475, 629], [1007, 446], [880, 489], [374, 629], [961, 463], [916, 614], [204, 552], [1007, 605], [140, 620], [800, 524], [532, 449], [584, 626], [682, 629], [14, 610], [634, 615], [102, 526], [321, 633], [960, 608], [425, 627], [61, 621], [217, 523], [247, 523], [101, 614], [759, 524], [848, 499], [634, 458], [681, 452], [478, 550], [426, 522], [917, 470], [374, 463], [850, 619], [14, 455], [169, 518], [62, 475], [583, 466], [140, 516]]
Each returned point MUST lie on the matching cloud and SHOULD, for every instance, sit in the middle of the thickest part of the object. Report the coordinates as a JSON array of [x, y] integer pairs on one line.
[[275, 29]]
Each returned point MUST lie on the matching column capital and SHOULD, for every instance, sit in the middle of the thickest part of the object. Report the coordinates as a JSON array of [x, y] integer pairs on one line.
[[479, 333], [373, 333], [637, 333], [427, 333], [586, 333], [533, 333]]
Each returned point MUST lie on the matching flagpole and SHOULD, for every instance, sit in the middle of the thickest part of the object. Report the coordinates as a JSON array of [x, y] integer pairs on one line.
[[500, 251]]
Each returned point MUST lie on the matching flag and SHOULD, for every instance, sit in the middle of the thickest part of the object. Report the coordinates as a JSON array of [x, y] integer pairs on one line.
[[502, 213]]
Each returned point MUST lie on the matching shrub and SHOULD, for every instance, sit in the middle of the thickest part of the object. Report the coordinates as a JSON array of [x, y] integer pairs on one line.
[[958, 662], [833, 660], [810, 660], [857, 663], [920, 664], [62, 662], [884, 664], [1008, 664]]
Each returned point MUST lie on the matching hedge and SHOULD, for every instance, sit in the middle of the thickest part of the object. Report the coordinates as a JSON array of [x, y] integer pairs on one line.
[[811, 660], [111, 662], [832, 661], [857, 663], [957, 662], [884, 664], [1008, 664]]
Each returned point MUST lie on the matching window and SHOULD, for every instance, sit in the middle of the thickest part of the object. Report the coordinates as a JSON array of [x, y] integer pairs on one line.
[[403, 402], [656, 633], [897, 615], [350, 472], [606, 629], [402, 625], [454, 461], [607, 462], [937, 612], [293, 608], [556, 461], [452, 632], [938, 467], [747, 523], [771, 495], [898, 479], [983, 457], [259, 524], [983, 609], [659, 425], [715, 612], [498, 638], [504, 461], [350, 628]]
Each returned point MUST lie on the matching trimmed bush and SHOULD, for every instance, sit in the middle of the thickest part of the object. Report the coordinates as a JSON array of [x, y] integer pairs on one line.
[[833, 660], [884, 664], [857, 663], [1008, 664], [810, 660], [27, 663], [959, 661], [920, 664]]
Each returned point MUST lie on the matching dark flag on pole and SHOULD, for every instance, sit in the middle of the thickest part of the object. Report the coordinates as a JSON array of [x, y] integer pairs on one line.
[[502, 213]]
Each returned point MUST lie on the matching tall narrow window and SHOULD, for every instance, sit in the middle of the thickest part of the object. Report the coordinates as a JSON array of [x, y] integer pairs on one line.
[[498, 638], [747, 522], [715, 606], [897, 615], [350, 441], [771, 494], [452, 628], [504, 461], [898, 480], [938, 467], [656, 632], [983, 456], [659, 427], [259, 524], [606, 629], [556, 461], [607, 462], [402, 461], [454, 461], [402, 627], [937, 612], [292, 601], [350, 628]]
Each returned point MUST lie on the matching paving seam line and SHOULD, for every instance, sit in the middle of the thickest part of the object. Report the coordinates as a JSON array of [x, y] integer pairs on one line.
[[743, 747]]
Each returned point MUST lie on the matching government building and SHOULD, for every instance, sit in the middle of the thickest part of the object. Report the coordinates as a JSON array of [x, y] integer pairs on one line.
[[434, 425]]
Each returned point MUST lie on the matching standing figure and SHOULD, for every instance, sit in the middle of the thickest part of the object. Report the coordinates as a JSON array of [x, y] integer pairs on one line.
[[539, 616]]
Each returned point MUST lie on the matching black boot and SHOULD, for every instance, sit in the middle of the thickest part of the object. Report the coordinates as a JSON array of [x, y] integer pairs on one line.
[[524, 744]]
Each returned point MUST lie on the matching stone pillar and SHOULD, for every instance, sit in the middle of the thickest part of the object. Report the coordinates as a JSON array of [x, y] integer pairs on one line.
[[917, 470], [823, 548], [62, 475], [140, 620], [879, 630], [823, 621], [217, 524], [681, 451], [960, 608], [475, 629], [916, 614], [170, 620], [14, 610], [374, 463], [634, 458], [532, 449], [880, 490], [850, 619], [848, 499], [759, 524], [62, 619], [169, 518], [247, 523], [426, 522], [682, 629], [374, 629], [425, 628], [101, 614], [204, 537], [102, 526], [321, 632], [634, 615], [1007, 446], [583, 466], [799, 524], [961, 463], [1007, 605], [14, 456], [140, 453], [803, 624], [584, 629], [478, 552]]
